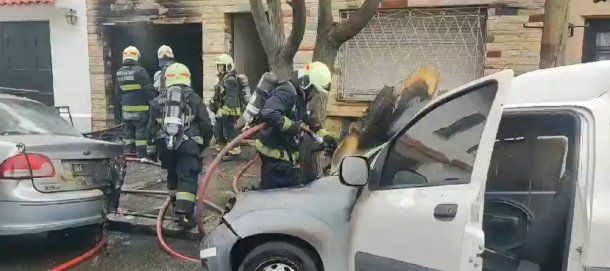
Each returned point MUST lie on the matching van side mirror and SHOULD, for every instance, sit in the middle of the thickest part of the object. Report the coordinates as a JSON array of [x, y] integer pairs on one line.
[[354, 171]]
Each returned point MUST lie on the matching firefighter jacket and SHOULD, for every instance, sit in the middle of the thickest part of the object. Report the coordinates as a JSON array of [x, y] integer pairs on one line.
[[200, 128], [230, 95], [285, 112], [134, 89]]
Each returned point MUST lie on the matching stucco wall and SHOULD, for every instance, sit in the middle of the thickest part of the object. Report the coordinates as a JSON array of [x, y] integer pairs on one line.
[[578, 11], [70, 60]]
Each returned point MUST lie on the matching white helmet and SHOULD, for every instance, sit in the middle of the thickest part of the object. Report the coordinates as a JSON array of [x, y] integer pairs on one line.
[[132, 53], [226, 60], [165, 52], [318, 75]]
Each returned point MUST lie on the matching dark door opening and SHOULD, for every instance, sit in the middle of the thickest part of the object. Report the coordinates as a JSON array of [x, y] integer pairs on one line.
[[25, 60], [596, 44], [248, 52], [184, 39]]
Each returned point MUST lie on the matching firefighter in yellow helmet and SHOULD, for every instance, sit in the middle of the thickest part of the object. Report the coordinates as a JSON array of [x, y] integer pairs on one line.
[[133, 91], [165, 55], [229, 101], [285, 112], [180, 129]]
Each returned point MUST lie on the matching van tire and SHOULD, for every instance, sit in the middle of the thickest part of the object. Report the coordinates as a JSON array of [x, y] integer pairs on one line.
[[282, 253]]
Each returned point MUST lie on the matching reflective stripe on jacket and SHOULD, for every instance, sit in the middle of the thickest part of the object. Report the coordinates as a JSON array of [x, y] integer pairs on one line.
[[276, 153]]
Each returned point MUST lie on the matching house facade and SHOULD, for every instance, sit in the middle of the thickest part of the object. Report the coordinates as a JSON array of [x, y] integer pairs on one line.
[[464, 39], [587, 36], [44, 48]]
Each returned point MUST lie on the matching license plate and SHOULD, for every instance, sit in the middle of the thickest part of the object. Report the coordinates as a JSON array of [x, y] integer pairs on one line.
[[81, 170]]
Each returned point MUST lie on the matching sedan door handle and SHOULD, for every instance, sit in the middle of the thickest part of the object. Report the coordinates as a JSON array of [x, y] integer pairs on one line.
[[445, 212]]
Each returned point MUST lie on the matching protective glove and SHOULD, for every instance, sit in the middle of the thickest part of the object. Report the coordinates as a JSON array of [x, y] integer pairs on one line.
[[151, 149], [330, 142]]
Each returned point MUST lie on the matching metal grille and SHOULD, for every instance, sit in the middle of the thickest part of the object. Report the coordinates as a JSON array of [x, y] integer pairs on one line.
[[396, 43]]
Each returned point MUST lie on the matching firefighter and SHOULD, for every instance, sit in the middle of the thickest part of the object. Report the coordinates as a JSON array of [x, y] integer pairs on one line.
[[180, 129], [285, 113], [228, 103], [134, 91], [165, 55]]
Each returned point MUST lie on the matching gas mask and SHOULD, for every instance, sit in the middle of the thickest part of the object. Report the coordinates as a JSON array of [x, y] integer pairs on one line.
[[163, 62]]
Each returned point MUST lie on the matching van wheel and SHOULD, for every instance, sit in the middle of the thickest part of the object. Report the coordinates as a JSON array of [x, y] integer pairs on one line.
[[278, 256]]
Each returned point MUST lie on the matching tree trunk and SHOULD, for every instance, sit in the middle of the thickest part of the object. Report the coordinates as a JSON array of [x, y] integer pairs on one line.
[[555, 16], [281, 66], [326, 51], [328, 41], [269, 23]]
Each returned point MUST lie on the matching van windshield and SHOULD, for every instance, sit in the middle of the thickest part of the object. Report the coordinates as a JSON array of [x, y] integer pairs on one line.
[[23, 117]]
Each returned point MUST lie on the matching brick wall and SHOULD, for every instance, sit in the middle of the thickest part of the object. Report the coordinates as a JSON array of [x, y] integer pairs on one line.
[[509, 45], [101, 117]]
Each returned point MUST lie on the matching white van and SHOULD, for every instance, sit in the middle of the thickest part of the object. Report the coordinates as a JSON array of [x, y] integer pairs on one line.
[[504, 173]]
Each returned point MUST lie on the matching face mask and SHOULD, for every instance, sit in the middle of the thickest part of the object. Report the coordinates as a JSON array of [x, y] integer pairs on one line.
[[164, 62], [305, 83]]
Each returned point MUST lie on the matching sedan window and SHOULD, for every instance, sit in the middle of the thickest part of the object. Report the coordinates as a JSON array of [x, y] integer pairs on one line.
[[23, 117]]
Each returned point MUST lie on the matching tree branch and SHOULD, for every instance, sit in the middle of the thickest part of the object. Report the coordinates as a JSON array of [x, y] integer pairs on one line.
[[263, 27], [325, 14], [349, 28], [298, 28], [276, 20]]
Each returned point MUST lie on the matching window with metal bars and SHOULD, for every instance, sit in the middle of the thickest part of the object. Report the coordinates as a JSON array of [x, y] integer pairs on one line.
[[396, 43]]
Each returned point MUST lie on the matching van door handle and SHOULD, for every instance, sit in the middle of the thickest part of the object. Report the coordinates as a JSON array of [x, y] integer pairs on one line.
[[445, 212]]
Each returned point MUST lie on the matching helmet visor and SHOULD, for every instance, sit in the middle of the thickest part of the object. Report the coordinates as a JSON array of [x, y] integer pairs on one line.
[[221, 68], [306, 82]]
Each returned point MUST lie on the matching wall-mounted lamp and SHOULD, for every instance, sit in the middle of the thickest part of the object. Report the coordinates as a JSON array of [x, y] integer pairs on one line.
[[571, 27], [71, 16]]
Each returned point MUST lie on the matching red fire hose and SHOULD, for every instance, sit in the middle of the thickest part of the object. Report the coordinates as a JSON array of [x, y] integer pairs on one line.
[[161, 240], [211, 170], [241, 172], [82, 257]]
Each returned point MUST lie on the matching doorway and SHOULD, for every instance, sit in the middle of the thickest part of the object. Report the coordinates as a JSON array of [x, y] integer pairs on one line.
[[596, 45], [248, 52], [184, 39], [25, 60]]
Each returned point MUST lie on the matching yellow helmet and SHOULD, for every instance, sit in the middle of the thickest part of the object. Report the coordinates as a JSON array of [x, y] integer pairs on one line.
[[177, 74], [318, 75], [131, 53], [165, 52], [226, 60]]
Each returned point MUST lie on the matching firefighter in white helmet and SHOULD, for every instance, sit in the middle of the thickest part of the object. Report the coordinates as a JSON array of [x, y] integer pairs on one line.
[[165, 55], [229, 101], [285, 113], [133, 91]]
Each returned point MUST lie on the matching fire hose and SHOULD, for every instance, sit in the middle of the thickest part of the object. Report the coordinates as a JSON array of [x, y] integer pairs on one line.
[[241, 172], [211, 170], [83, 257]]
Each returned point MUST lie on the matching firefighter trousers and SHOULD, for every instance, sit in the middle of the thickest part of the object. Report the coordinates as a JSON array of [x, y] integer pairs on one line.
[[135, 132], [277, 173], [226, 130], [183, 167]]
